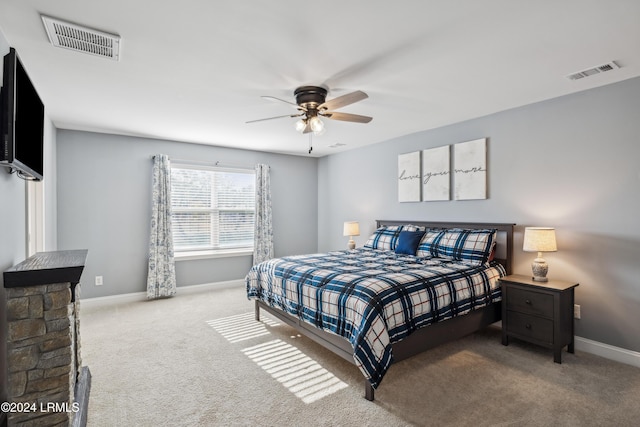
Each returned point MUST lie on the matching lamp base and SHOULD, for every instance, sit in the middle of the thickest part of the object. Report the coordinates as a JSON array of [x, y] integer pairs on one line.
[[540, 268], [352, 244]]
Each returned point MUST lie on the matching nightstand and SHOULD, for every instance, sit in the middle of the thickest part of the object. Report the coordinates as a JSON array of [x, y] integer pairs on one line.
[[538, 312]]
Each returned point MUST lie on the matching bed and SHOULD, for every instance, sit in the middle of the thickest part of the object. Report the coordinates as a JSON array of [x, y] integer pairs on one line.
[[414, 285]]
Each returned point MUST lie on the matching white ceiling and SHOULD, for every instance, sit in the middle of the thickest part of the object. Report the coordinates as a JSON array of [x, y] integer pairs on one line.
[[195, 70]]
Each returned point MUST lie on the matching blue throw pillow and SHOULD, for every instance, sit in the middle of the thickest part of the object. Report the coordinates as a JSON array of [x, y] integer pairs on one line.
[[408, 242]]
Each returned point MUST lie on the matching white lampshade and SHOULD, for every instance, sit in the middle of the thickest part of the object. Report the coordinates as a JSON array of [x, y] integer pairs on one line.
[[539, 239], [351, 228]]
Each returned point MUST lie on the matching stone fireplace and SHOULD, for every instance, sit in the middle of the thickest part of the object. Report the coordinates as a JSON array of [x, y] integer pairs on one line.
[[46, 383]]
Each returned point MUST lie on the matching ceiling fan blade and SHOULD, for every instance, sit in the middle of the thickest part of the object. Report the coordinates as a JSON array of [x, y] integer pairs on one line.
[[343, 100], [273, 98], [347, 117], [276, 117]]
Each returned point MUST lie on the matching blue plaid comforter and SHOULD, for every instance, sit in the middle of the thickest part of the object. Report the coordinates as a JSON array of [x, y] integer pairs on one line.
[[371, 297]]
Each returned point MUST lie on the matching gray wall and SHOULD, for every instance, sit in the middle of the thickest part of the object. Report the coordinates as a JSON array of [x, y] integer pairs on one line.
[[13, 217], [104, 205], [12, 207], [570, 163], [13, 196]]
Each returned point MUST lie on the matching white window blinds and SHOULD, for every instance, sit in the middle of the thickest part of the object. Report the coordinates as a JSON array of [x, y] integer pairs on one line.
[[213, 208]]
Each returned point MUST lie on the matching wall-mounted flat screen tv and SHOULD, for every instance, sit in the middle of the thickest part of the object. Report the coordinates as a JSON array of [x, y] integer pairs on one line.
[[22, 116]]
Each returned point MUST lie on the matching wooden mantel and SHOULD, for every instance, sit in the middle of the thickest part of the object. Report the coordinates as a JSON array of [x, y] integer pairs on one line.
[[48, 267]]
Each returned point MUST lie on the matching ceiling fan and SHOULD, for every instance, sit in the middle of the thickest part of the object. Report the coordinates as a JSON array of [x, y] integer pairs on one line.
[[311, 104]]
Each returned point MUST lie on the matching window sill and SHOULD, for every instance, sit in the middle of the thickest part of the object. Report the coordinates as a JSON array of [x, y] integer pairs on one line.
[[191, 255]]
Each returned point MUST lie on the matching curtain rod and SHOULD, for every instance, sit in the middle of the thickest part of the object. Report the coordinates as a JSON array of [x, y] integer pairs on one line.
[[216, 163]]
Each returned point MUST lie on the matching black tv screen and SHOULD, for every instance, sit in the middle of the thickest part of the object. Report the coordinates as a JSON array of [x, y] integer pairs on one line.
[[22, 121]]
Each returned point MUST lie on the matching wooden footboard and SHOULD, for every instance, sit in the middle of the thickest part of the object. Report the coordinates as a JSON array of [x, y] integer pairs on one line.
[[337, 344]]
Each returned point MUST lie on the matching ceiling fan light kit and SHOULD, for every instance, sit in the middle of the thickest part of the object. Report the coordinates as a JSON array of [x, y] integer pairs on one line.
[[300, 125], [316, 125]]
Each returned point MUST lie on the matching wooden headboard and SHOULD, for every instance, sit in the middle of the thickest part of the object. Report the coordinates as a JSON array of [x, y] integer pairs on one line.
[[504, 247]]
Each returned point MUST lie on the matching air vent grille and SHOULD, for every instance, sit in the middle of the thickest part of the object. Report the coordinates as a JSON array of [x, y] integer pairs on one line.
[[592, 71], [82, 39]]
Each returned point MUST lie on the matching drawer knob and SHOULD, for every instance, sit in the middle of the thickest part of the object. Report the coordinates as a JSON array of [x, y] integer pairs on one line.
[[528, 302], [528, 326]]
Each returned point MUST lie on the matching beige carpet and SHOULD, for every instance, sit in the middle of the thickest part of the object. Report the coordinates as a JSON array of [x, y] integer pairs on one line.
[[200, 360]]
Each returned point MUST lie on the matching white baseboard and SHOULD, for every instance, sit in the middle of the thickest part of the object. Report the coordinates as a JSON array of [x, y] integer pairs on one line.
[[607, 351], [182, 290], [142, 296], [97, 302]]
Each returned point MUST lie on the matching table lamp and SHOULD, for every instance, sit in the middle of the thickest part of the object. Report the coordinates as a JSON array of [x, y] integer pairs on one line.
[[539, 239], [351, 228]]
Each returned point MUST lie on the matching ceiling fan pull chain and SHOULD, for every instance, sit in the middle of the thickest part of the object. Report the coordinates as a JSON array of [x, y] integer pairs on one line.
[[310, 143]]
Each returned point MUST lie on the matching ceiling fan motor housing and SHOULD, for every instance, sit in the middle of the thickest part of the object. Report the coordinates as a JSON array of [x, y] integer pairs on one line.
[[310, 97]]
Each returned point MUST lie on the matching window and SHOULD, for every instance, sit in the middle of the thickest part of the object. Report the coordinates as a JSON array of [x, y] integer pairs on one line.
[[213, 209]]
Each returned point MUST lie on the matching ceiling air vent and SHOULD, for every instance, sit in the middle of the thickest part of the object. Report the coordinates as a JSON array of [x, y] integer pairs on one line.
[[595, 70], [82, 39]]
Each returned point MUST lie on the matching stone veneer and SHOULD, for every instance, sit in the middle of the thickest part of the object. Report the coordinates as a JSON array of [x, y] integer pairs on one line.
[[42, 354], [45, 383]]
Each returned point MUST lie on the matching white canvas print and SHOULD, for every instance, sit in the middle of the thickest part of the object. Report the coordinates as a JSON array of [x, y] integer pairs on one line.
[[470, 170], [409, 177], [435, 174]]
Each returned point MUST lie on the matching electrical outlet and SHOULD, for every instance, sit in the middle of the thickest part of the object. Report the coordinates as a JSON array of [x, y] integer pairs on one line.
[[576, 311], [98, 280]]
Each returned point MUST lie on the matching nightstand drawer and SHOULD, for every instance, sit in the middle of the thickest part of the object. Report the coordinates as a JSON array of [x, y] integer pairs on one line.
[[530, 326], [530, 302]]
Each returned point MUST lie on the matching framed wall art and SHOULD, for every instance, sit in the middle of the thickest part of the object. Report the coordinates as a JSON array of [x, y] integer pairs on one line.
[[409, 181], [436, 170], [470, 170]]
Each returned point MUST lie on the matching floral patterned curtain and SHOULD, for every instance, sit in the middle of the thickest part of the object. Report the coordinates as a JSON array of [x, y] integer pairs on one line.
[[263, 232], [161, 278]]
